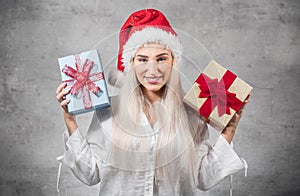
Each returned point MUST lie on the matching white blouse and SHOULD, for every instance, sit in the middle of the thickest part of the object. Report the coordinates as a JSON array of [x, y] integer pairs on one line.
[[83, 155]]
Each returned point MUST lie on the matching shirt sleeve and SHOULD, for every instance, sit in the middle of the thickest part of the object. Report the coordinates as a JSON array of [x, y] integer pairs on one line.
[[82, 154], [216, 161], [80, 159]]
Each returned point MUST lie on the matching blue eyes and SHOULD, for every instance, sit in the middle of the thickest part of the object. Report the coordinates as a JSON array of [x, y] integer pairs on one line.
[[161, 59], [145, 60], [142, 60]]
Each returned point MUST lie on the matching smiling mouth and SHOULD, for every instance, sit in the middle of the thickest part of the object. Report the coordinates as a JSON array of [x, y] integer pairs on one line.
[[153, 80]]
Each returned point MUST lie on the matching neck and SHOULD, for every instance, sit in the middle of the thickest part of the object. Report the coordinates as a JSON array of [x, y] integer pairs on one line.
[[153, 96]]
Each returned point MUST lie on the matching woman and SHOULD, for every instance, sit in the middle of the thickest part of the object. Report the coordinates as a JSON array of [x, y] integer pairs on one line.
[[148, 143]]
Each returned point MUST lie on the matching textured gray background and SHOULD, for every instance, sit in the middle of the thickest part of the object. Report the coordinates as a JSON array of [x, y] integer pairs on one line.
[[258, 39]]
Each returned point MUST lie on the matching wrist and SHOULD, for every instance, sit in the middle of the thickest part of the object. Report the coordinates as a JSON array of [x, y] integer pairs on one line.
[[70, 121], [228, 133], [72, 127]]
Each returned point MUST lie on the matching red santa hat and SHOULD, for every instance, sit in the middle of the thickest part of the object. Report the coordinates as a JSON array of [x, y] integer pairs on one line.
[[145, 26]]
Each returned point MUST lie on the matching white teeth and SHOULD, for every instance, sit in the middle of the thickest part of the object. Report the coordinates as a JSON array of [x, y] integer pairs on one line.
[[154, 79]]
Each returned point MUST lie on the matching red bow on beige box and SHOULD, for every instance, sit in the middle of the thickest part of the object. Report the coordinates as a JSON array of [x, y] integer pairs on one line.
[[217, 94]]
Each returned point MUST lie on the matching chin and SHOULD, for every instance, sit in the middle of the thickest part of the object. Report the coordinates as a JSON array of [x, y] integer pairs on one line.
[[153, 88]]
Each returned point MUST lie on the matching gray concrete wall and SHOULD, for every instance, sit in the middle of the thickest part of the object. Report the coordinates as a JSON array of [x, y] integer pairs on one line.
[[258, 39]]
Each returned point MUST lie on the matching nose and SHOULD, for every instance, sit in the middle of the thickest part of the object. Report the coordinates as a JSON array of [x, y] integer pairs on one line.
[[152, 68]]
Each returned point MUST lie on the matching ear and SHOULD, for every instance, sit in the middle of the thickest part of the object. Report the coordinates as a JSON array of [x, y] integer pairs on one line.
[[131, 62], [175, 63]]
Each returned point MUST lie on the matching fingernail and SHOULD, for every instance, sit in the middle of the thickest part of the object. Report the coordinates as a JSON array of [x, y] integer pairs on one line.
[[66, 90]]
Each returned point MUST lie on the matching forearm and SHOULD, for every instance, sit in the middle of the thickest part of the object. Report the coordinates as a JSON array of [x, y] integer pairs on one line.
[[230, 129], [228, 133], [70, 121]]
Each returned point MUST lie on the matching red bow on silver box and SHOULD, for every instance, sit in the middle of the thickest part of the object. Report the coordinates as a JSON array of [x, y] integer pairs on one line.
[[82, 80]]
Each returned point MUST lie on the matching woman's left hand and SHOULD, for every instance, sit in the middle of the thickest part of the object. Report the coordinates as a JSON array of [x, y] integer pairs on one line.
[[230, 129]]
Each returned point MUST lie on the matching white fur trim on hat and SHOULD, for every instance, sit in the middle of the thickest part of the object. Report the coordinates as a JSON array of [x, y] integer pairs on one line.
[[147, 35]]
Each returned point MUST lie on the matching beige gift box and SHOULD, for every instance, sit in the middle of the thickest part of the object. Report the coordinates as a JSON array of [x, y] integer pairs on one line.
[[217, 95]]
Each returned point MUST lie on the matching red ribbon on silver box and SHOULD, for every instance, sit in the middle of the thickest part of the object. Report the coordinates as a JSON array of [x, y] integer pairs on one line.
[[82, 80]]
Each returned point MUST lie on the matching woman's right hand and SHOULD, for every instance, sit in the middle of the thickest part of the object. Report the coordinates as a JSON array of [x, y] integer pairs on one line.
[[70, 119]]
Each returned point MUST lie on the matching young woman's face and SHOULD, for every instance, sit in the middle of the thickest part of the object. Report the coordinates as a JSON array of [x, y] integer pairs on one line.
[[153, 64]]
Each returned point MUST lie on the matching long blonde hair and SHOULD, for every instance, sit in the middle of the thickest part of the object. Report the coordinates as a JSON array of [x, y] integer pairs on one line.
[[175, 136]]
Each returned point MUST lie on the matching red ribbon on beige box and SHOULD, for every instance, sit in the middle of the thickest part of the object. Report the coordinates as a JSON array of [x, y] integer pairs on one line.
[[217, 94]]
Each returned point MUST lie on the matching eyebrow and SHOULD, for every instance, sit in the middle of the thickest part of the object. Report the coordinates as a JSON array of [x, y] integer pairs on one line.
[[144, 56], [162, 54]]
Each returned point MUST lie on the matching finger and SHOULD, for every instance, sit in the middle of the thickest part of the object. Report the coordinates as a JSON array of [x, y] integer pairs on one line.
[[61, 96], [60, 87], [64, 103], [248, 98], [245, 103], [243, 107], [65, 108], [240, 112]]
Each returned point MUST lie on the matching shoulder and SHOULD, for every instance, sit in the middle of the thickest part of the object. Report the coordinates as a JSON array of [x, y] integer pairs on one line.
[[100, 129], [101, 120], [103, 114]]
